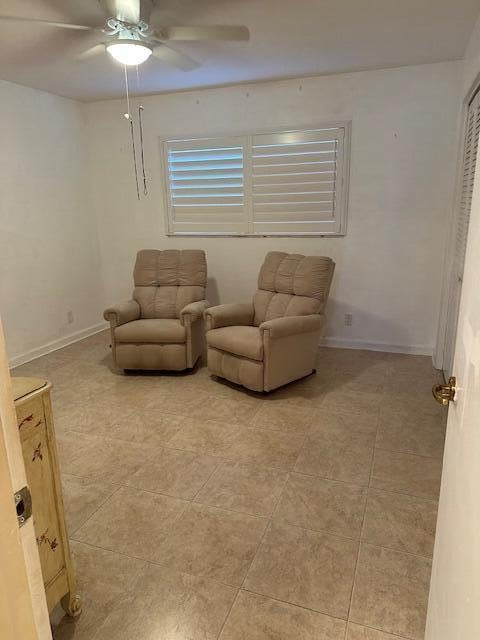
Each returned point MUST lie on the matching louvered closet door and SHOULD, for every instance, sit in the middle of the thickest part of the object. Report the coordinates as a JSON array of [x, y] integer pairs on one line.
[[297, 181], [472, 135], [206, 185]]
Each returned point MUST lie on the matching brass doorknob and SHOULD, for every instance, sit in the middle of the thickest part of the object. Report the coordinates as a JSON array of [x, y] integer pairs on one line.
[[445, 393]]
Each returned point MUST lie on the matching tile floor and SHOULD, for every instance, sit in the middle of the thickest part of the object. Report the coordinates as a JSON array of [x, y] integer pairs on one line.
[[201, 511]]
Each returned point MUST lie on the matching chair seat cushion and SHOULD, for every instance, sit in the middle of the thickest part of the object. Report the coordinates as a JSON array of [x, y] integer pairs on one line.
[[242, 341], [151, 330]]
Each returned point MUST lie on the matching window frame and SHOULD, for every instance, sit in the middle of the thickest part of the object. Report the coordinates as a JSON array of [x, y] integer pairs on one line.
[[341, 216]]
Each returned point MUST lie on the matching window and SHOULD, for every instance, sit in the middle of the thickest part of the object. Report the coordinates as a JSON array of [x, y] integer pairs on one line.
[[283, 183]]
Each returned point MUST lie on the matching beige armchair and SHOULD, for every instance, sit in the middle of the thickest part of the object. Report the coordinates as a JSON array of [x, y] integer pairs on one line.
[[162, 327], [273, 340]]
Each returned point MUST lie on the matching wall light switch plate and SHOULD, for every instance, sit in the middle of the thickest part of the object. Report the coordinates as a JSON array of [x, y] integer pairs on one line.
[[348, 319]]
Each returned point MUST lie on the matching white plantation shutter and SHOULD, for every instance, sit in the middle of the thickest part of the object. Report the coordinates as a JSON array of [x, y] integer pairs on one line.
[[283, 183], [298, 182], [206, 185], [472, 135], [460, 232]]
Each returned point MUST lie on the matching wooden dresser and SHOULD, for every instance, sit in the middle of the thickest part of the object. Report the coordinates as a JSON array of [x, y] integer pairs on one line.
[[35, 422]]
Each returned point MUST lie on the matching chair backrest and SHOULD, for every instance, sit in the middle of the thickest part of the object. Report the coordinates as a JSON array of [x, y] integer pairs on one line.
[[290, 284], [166, 281]]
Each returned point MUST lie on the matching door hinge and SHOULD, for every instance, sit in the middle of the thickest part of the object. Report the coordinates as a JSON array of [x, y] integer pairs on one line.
[[23, 505]]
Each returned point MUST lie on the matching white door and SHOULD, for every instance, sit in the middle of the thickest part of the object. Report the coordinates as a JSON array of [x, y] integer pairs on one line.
[[454, 605], [23, 606], [460, 229]]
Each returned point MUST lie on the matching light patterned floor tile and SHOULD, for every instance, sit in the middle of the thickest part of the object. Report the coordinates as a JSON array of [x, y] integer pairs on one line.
[[255, 617], [132, 522], [361, 402], [212, 543], [244, 487], [400, 522], [307, 568], [103, 578], [102, 459], [205, 436], [323, 505], [335, 460], [344, 427], [391, 591], [411, 432], [358, 632], [174, 438], [177, 473], [82, 497], [149, 428], [265, 447], [407, 473], [284, 417], [168, 605]]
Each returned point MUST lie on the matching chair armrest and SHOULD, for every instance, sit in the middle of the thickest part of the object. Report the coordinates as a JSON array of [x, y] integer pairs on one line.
[[193, 311], [227, 315], [292, 325], [122, 313]]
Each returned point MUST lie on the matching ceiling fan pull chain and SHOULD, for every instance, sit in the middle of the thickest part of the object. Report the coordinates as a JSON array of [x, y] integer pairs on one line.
[[128, 115], [140, 127], [140, 123], [134, 158]]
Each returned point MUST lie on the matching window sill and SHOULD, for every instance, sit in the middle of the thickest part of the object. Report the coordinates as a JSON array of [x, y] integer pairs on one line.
[[254, 235]]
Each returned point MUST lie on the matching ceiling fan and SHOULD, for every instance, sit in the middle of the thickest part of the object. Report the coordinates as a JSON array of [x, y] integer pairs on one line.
[[130, 37]]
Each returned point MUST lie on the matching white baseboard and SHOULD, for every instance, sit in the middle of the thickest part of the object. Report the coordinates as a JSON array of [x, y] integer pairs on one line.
[[38, 352], [344, 343], [339, 343]]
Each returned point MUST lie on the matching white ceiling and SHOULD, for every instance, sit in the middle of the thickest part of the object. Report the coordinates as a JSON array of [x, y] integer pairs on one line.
[[288, 38]]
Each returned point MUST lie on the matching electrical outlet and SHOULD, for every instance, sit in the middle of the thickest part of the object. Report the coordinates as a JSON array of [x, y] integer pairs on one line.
[[348, 319], [69, 317]]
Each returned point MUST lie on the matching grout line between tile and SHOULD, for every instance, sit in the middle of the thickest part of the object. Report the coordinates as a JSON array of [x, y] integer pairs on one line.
[[154, 563], [228, 614], [293, 604], [72, 533], [264, 534], [263, 466], [409, 453], [355, 572], [367, 626]]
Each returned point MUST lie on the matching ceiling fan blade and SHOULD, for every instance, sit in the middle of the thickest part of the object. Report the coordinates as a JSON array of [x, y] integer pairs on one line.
[[131, 11], [49, 23], [204, 33], [92, 52], [174, 58]]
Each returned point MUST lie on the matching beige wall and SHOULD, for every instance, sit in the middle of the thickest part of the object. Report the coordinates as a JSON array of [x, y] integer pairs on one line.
[[404, 124], [49, 261], [404, 138]]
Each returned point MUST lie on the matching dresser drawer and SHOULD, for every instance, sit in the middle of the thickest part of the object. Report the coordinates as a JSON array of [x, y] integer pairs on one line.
[[38, 467]]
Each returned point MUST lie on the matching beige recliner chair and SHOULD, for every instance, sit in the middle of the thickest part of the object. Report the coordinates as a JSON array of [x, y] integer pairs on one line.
[[273, 340], [162, 327]]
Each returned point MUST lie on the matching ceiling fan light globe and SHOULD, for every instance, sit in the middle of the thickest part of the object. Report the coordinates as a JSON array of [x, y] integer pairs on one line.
[[129, 53]]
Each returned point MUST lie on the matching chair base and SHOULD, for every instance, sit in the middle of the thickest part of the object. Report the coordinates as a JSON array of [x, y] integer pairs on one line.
[[188, 371], [217, 378], [151, 356]]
